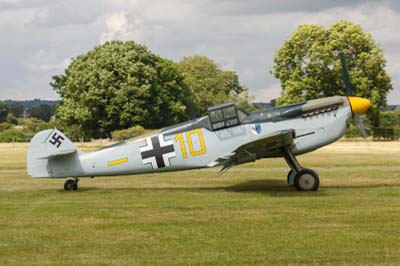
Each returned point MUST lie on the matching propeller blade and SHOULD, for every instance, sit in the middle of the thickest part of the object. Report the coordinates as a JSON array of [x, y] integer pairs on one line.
[[360, 124], [345, 75], [358, 105]]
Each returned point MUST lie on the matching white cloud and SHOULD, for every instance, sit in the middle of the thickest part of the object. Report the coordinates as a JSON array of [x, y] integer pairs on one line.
[[119, 26], [378, 19]]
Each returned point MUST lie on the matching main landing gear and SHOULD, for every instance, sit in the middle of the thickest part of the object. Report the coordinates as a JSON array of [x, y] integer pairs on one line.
[[71, 184], [303, 179]]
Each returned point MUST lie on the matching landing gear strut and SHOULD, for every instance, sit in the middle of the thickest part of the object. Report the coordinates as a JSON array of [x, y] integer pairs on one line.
[[302, 179], [71, 184]]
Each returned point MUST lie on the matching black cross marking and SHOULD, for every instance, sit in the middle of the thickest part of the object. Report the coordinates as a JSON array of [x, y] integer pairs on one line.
[[157, 152], [56, 140]]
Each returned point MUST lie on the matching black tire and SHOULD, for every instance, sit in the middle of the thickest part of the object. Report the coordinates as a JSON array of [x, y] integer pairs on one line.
[[70, 185], [306, 180], [288, 177]]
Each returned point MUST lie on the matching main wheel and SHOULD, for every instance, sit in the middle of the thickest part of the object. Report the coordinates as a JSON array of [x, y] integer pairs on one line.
[[306, 180], [75, 186], [70, 184]]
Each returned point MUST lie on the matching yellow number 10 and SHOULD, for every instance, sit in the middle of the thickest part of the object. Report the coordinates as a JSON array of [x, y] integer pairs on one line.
[[189, 134]]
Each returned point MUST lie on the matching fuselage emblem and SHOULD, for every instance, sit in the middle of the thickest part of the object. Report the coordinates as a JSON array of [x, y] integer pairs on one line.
[[157, 152], [256, 129]]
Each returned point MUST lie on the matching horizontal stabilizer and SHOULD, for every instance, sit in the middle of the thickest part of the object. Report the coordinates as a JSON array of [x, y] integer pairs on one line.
[[59, 153]]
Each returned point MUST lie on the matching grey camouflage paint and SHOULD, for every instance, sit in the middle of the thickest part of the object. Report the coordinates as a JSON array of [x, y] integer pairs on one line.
[[316, 123]]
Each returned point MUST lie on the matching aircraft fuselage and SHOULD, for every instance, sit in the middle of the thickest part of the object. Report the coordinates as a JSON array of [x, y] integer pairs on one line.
[[193, 144]]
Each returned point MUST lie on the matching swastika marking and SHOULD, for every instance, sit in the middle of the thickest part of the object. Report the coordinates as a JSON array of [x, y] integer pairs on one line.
[[56, 140]]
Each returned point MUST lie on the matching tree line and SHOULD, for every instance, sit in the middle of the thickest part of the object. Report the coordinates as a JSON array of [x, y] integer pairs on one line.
[[10, 110], [21, 120]]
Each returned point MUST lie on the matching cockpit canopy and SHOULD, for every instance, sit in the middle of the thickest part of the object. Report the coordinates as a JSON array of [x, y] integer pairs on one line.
[[224, 116]]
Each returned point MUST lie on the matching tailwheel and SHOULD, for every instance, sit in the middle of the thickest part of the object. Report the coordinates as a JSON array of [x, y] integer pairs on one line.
[[306, 180], [71, 184]]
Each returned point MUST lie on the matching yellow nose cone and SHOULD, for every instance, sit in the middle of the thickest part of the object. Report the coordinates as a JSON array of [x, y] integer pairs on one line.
[[359, 105]]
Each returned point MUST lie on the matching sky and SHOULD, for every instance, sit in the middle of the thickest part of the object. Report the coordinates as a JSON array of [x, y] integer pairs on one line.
[[39, 37]]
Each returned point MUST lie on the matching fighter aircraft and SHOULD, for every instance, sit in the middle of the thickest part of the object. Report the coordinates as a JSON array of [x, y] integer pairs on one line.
[[227, 136]]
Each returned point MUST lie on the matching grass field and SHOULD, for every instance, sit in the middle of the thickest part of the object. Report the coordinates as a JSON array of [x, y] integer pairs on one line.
[[247, 216]]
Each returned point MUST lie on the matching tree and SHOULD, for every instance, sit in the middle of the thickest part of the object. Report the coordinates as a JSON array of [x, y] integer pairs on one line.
[[42, 112], [119, 85], [17, 109], [3, 112], [209, 85], [11, 119], [308, 65]]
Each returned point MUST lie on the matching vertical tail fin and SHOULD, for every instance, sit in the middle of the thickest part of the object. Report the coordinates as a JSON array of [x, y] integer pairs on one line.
[[45, 145]]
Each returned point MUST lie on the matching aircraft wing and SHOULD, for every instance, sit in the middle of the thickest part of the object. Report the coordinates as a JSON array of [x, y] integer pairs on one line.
[[267, 146]]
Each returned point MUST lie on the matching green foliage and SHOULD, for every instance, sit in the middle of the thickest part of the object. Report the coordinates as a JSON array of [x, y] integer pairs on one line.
[[353, 131], [11, 119], [309, 67], [129, 133], [3, 111], [387, 134], [17, 109], [118, 85], [42, 112], [25, 130], [389, 128], [209, 85], [242, 100], [14, 135], [5, 126], [22, 129], [390, 118], [33, 125]]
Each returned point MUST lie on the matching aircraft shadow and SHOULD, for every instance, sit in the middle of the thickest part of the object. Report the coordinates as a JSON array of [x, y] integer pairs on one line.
[[264, 186], [274, 187]]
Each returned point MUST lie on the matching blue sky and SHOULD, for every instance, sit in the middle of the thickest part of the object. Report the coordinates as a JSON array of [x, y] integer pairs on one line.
[[38, 37]]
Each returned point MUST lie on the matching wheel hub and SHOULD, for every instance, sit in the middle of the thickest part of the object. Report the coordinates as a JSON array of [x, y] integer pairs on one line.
[[307, 181]]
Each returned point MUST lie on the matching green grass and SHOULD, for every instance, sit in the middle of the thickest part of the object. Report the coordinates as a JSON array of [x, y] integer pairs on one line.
[[247, 216]]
